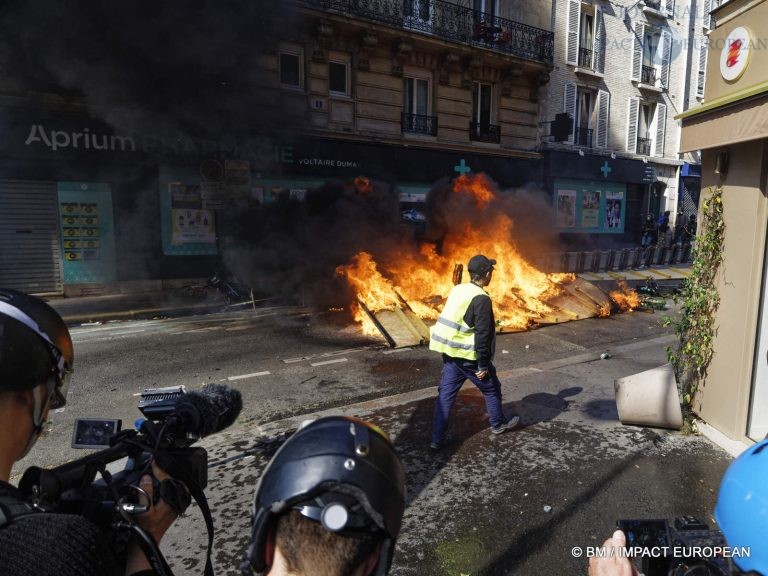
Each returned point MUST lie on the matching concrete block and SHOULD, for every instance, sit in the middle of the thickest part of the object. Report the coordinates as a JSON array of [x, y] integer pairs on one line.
[[649, 398]]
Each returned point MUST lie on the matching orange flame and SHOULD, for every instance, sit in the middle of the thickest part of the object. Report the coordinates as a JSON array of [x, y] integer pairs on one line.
[[625, 297], [521, 293]]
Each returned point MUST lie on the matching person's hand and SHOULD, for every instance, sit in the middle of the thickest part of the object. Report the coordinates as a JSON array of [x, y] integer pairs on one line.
[[155, 521], [482, 374], [612, 564], [160, 515]]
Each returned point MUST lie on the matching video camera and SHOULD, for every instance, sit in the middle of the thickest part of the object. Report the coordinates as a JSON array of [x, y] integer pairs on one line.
[[686, 547], [173, 421]]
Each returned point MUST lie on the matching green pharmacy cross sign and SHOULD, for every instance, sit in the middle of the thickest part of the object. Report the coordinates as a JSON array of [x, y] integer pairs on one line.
[[462, 167]]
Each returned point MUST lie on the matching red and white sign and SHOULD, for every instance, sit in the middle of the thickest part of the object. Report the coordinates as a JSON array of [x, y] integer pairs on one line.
[[734, 55]]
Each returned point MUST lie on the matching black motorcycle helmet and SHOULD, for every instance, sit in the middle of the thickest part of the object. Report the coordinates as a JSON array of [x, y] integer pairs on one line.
[[340, 471], [35, 346]]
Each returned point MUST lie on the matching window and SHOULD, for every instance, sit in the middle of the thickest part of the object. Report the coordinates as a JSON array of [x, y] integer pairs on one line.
[[490, 7], [416, 12], [338, 78], [644, 129], [586, 40], [589, 111], [652, 54], [290, 69], [416, 107], [583, 121], [481, 128], [651, 57], [585, 37], [646, 126]]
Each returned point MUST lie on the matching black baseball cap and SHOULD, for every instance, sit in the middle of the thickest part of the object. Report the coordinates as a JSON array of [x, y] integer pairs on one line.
[[479, 264]]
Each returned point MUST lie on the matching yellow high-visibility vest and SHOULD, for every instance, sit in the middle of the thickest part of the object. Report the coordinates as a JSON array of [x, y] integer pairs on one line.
[[451, 335]]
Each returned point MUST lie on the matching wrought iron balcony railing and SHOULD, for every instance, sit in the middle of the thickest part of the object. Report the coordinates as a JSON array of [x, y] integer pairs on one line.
[[451, 22], [583, 136], [648, 75], [585, 57], [644, 146], [419, 124], [481, 132]]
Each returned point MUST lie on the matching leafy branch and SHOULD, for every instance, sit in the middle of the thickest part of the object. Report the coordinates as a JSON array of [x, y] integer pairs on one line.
[[699, 299]]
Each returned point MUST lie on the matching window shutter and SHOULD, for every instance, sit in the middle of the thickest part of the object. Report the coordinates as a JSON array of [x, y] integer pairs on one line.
[[666, 57], [637, 50], [572, 32], [603, 105], [702, 70], [670, 5], [569, 107], [661, 122], [598, 54], [705, 10], [633, 110]]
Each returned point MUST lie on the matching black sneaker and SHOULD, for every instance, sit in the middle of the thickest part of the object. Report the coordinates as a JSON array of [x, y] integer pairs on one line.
[[508, 425], [436, 446]]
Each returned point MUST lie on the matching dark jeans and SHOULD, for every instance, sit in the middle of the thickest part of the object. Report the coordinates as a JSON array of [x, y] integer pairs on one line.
[[455, 372]]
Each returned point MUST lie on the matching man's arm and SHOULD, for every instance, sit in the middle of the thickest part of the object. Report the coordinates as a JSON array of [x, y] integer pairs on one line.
[[481, 310]]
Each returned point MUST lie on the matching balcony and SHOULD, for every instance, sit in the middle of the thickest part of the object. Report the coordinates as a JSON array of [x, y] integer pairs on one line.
[[482, 132], [451, 22], [585, 57], [648, 75], [654, 8], [582, 136], [419, 124], [643, 146]]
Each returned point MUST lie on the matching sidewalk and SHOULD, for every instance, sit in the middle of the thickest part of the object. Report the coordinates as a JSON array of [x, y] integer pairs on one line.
[[529, 502], [150, 304], [132, 306]]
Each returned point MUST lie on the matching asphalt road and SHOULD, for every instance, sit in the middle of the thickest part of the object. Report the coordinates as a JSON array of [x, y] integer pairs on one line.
[[514, 504]]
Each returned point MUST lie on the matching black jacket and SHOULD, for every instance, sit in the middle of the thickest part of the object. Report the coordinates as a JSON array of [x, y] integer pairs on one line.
[[479, 315], [52, 545]]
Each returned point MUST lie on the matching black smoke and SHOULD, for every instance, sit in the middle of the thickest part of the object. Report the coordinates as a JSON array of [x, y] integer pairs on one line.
[[167, 66]]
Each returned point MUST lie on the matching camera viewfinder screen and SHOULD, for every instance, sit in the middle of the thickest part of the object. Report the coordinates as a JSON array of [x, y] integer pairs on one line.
[[645, 533], [94, 433]]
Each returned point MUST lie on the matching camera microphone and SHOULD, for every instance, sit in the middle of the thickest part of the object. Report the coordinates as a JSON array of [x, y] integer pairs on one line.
[[210, 410]]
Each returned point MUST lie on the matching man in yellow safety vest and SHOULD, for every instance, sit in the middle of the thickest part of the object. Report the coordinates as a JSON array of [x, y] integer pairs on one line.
[[465, 334]]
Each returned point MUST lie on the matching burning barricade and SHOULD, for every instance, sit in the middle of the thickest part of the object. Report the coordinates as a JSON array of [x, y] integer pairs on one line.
[[398, 293]]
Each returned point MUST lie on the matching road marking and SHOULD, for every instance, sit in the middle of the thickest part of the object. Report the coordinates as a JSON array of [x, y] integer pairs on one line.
[[125, 332], [337, 360], [326, 354], [244, 376], [396, 350]]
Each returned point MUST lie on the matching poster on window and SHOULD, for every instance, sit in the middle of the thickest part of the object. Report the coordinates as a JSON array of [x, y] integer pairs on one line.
[[566, 208], [590, 209], [614, 210], [192, 227]]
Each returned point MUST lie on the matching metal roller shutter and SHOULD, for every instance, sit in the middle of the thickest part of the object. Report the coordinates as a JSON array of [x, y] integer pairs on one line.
[[30, 253]]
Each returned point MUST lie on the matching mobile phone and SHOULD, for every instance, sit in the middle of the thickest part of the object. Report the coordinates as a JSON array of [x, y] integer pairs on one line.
[[94, 432]]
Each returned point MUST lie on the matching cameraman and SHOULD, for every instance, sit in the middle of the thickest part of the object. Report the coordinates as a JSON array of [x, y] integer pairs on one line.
[[329, 503], [36, 359], [741, 513]]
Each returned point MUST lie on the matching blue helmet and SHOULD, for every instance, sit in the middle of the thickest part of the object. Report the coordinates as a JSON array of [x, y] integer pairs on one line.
[[742, 507]]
